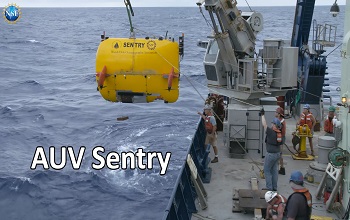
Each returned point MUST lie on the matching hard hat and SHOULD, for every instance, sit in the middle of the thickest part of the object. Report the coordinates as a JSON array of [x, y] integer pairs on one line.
[[331, 108], [207, 107], [297, 177], [306, 106], [269, 195], [277, 122], [279, 110]]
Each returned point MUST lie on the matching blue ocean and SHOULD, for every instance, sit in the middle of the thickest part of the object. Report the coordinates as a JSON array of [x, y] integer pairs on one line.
[[48, 98]]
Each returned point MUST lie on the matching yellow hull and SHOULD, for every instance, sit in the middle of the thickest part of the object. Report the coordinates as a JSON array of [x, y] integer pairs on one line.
[[138, 70]]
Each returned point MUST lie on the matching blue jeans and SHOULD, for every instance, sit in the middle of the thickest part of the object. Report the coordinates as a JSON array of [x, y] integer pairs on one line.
[[271, 170]]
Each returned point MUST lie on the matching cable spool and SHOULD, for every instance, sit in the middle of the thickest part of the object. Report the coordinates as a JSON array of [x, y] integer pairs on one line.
[[337, 157]]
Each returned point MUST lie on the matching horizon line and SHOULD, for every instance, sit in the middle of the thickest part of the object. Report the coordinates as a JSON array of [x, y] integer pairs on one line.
[[154, 6]]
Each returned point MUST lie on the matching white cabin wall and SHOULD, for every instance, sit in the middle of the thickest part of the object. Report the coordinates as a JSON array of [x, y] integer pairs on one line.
[[345, 89]]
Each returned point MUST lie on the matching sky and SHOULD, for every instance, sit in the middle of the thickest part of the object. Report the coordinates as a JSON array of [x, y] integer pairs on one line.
[[148, 3]]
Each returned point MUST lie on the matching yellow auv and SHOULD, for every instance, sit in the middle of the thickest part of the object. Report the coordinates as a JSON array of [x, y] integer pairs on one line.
[[138, 70]]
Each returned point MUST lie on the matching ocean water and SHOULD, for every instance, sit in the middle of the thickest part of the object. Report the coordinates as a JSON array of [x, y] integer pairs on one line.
[[48, 98]]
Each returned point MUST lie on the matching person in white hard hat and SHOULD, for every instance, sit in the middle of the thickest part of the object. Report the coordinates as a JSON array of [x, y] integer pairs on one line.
[[276, 205]]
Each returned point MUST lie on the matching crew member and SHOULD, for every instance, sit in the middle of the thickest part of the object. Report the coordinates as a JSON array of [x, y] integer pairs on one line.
[[328, 123], [299, 204], [276, 205], [273, 141], [307, 118], [210, 126], [280, 115]]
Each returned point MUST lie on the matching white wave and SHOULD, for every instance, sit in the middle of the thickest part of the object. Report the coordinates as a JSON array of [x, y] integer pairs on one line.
[[141, 132], [24, 178], [130, 147], [14, 188], [189, 137], [33, 41], [172, 135]]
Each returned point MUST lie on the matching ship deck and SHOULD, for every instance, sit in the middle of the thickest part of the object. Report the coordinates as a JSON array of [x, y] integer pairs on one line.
[[230, 173]]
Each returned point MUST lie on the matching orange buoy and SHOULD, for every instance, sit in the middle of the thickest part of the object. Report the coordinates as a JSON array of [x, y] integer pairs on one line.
[[102, 77]]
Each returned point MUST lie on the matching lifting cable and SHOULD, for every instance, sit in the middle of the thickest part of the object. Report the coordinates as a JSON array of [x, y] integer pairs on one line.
[[206, 20], [248, 5], [334, 49], [130, 12]]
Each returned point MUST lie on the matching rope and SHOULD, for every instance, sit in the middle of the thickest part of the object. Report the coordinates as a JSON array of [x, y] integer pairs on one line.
[[334, 49], [195, 89], [167, 61], [295, 154]]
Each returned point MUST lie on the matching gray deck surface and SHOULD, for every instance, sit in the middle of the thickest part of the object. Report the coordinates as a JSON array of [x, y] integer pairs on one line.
[[230, 173]]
